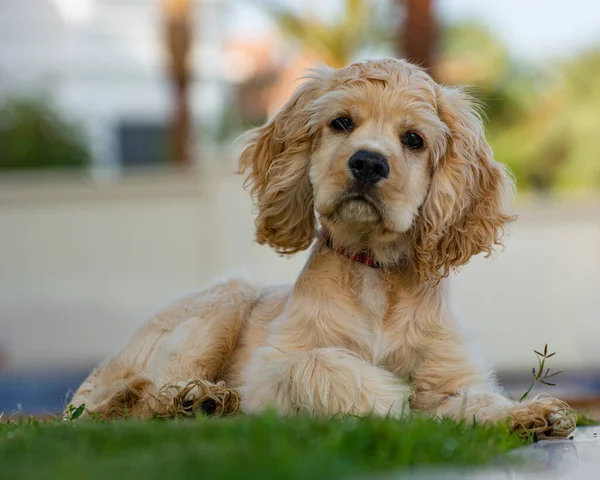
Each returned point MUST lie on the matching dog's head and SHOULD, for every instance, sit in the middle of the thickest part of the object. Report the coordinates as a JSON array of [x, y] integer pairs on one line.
[[389, 160]]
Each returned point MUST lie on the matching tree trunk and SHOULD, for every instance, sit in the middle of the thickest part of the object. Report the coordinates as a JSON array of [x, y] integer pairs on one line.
[[178, 15], [417, 37], [181, 128]]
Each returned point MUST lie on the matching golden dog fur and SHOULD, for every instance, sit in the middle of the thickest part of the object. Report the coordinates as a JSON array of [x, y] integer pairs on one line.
[[345, 338]]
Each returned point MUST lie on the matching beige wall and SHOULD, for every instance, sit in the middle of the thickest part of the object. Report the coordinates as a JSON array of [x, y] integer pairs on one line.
[[81, 266]]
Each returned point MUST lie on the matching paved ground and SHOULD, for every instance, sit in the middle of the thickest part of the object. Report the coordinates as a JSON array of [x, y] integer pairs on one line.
[[577, 458]]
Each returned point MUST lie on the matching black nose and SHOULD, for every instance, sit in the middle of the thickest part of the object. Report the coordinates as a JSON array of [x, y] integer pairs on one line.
[[368, 167]]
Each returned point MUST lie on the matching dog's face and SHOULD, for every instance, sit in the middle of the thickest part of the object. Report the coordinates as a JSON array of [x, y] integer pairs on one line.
[[371, 164], [381, 153]]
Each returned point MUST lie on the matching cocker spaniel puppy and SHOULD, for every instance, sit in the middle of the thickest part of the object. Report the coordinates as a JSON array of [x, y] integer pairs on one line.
[[389, 177]]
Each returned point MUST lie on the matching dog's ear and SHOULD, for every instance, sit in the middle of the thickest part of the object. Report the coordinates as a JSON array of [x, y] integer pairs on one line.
[[277, 159], [463, 214]]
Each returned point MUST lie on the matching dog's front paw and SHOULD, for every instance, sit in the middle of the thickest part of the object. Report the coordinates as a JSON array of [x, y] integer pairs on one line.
[[543, 416], [185, 398]]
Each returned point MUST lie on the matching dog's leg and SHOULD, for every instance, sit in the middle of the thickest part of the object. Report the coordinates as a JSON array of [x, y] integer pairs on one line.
[[449, 384], [175, 361], [322, 381], [543, 415]]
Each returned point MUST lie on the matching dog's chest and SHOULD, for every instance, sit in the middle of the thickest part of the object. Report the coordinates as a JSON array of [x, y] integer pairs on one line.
[[376, 302], [372, 295], [389, 322]]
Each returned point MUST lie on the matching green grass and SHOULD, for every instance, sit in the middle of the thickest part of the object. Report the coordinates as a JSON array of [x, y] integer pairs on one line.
[[584, 420], [242, 447]]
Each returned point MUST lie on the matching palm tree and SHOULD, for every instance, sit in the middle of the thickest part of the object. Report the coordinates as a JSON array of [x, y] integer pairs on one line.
[[417, 35], [334, 43], [178, 35]]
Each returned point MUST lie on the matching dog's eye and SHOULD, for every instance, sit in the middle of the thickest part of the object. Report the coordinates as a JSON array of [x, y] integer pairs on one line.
[[342, 124], [412, 140]]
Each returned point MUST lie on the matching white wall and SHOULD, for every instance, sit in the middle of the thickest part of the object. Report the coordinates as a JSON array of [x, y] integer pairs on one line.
[[81, 266]]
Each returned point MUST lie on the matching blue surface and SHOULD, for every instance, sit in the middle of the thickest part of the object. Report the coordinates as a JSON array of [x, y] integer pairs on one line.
[[46, 392], [37, 392]]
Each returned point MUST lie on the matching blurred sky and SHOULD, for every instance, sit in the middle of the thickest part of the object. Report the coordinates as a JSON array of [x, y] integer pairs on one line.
[[532, 29]]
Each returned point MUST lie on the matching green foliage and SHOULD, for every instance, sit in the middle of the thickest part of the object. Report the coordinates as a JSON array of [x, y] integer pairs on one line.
[[33, 135], [584, 420], [242, 447], [361, 24], [541, 123], [574, 129]]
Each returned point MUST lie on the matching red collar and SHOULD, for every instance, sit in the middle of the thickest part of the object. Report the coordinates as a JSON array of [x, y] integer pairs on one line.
[[360, 257]]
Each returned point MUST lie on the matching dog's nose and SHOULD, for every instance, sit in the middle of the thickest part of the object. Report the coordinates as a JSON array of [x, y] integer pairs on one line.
[[368, 167]]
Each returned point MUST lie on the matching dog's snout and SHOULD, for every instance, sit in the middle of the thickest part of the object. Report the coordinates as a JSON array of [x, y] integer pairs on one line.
[[368, 167]]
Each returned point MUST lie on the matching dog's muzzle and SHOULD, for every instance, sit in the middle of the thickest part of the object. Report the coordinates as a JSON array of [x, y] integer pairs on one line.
[[368, 167]]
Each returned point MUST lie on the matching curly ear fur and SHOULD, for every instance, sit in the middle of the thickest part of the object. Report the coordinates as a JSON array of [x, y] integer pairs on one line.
[[463, 213], [277, 157]]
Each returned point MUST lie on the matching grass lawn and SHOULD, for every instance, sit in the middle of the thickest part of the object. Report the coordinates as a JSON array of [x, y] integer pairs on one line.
[[261, 447]]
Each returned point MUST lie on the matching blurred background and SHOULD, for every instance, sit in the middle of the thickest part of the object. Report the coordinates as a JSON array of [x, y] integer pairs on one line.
[[118, 121]]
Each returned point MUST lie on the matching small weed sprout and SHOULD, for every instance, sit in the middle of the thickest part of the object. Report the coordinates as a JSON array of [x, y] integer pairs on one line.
[[541, 376], [74, 413]]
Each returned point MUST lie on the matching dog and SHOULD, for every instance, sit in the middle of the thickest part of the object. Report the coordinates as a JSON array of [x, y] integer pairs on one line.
[[389, 177]]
